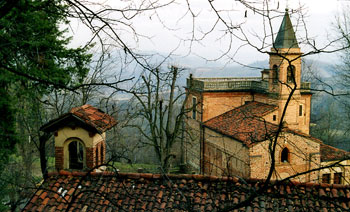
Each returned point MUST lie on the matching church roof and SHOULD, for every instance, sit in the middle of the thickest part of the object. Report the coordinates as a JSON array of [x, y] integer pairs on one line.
[[286, 36], [85, 116], [245, 123], [329, 153], [107, 191]]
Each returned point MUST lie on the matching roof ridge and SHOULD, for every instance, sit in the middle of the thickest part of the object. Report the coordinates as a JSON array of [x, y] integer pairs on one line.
[[244, 105], [303, 134], [133, 175], [332, 147]]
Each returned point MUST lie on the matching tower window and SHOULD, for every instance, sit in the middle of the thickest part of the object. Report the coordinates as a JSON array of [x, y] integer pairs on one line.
[[194, 106], [274, 117], [275, 73], [76, 155], [291, 74], [300, 110], [285, 155]]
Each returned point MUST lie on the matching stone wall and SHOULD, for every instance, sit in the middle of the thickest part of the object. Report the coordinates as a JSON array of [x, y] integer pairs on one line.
[[224, 156], [304, 155], [192, 146]]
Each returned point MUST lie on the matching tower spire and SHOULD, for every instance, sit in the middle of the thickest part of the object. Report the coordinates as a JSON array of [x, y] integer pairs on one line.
[[286, 36]]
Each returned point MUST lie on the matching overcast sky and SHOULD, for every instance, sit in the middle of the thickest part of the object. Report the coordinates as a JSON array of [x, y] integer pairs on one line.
[[319, 16]]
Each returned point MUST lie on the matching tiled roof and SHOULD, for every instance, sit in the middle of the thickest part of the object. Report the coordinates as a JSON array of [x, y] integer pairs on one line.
[[244, 123], [329, 153], [153, 192], [86, 115]]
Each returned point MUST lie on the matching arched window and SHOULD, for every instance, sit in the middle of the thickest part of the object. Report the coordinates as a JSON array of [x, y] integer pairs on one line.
[[285, 155], [275, 73], [76, 155], [291, 74]]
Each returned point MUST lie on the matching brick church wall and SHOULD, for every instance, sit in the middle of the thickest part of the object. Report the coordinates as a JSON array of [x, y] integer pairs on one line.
[[303, 155], [224, 156], [192, 146]]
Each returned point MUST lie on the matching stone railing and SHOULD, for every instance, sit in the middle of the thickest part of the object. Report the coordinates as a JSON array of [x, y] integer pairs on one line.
[[305, 86], [216, 84]]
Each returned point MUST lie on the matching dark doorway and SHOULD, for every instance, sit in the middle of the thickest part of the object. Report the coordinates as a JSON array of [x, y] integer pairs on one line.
[[76, 155]]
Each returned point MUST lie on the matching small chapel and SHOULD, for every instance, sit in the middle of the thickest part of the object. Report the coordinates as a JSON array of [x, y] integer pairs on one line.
[[80, 138], [234, 121]]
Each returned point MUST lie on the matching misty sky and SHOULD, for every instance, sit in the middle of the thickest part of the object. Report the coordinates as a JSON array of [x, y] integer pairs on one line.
[[171, 29]]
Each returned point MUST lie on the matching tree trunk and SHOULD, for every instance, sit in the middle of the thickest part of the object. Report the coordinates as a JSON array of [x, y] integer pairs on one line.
[[42, 151]]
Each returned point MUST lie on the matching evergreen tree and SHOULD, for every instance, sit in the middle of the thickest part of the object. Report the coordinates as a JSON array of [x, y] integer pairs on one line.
[[34, 55]]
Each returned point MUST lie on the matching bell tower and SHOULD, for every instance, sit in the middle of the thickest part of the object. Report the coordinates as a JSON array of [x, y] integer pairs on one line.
[[285, 60], [285, 74]]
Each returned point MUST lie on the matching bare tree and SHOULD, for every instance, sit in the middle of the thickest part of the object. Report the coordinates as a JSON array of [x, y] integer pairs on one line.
[[158, 106]]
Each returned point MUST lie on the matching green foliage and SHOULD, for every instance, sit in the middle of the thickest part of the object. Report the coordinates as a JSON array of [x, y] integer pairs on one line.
[[33, 47], [35, 59], [7, 127]]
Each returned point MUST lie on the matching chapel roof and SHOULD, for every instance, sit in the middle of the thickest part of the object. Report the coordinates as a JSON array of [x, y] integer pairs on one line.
[[329, 153], [286, 35], [86, 116], [108, 191]]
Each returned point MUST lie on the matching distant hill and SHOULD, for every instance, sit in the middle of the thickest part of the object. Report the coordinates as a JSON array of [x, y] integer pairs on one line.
[[311, 69]]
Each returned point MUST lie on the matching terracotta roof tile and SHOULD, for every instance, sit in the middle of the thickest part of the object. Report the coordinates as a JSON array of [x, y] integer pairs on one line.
[[245, 123], [329, 153], [87, 115], [94, 117], [148, 192]]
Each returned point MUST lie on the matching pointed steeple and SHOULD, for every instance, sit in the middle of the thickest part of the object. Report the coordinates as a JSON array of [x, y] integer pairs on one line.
[[286, 36]]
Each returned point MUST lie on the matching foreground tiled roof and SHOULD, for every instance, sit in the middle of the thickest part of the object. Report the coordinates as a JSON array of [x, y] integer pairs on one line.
[[329, 153], [244, 123], [153, 192], [87, 115]]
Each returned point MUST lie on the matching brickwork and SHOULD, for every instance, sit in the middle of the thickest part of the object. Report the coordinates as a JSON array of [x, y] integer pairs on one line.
[[90, 157], [304, 154], [223, 156], [294, 119], [59, 158], [192, 146], [278, 59]]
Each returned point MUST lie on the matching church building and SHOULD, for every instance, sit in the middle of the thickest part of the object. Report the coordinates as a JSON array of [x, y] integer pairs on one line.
[[234, 121]]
